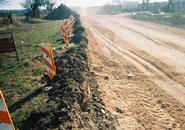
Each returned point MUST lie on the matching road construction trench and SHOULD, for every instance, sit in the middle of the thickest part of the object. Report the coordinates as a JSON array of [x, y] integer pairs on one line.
[[137, 92]]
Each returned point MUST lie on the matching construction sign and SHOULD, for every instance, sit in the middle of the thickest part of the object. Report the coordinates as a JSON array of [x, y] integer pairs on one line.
[[6, 122], [49, 60], [7, 43], [66, 26]]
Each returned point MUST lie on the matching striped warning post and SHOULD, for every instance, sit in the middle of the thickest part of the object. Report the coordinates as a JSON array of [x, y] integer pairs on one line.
[[48, 60], [71, 21], [65, 28], [64, 31], [5, 118]]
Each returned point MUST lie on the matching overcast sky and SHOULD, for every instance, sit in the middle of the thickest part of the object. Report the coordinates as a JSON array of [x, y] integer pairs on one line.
[[15, 4]]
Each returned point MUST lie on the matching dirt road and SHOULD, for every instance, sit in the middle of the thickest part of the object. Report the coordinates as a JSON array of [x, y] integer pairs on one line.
[[140, 70]]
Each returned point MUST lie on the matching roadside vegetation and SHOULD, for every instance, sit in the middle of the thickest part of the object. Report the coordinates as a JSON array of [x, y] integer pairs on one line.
[[24, 76], [18, 79], [171, 13], [170, 19]]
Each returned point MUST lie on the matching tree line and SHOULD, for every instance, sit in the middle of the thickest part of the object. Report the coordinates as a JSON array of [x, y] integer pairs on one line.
[[145, 4], [33, 6]]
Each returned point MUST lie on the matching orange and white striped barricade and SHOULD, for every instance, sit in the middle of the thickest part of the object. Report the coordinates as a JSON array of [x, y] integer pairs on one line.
[[71, 21], [6, 122], [49, 60], [65, 38], [66, 26], [64, 31]]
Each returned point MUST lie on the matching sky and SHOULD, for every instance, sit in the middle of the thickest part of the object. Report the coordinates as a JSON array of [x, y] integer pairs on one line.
[[16, 4]]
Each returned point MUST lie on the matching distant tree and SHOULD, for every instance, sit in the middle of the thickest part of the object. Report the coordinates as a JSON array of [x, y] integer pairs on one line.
[[3, 2], [171, 5], [118, 3], [33, 6], [7, 18], [145, 4], [49, 5]]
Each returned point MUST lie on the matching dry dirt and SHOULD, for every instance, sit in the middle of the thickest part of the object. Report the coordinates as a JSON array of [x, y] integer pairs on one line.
[[140, 70]]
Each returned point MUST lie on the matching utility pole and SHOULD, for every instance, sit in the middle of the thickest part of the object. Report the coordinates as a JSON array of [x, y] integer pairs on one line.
[[143, 5], [147, 4], [117, 4], [171, 5]]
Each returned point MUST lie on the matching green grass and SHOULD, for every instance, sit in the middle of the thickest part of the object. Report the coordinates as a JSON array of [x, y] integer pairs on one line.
[[21, 114], [17, 79]]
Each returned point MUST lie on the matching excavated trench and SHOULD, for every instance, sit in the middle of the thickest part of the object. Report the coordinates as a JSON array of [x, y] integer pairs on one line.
[[73, 101]]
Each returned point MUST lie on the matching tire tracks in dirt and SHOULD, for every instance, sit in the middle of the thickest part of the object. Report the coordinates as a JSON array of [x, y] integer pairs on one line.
[[160, 50], [139, 106], [152, 70], [156, 40], [148, 58], [169, 71], [175, 108]]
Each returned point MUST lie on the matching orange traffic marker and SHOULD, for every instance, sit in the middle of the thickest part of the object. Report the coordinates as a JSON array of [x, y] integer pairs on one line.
[[65, 28], [6, 122], [49, 60]]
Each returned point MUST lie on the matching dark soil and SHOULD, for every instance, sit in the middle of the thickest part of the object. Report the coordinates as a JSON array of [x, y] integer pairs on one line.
[[62, 12], [73, 99]]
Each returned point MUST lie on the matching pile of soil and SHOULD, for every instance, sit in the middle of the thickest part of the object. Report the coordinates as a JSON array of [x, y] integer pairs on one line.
[[62, 12], [73, 100]]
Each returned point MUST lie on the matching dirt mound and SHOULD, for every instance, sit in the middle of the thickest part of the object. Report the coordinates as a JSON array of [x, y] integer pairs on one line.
[[62, 12], [73, 100]]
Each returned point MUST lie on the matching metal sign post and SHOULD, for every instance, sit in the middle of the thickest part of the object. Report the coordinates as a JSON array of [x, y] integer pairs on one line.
[[7, 43]]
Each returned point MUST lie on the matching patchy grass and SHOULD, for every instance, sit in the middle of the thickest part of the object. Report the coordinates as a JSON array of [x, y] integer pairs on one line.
[[170, 19], [17, 79], [24, 112]]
